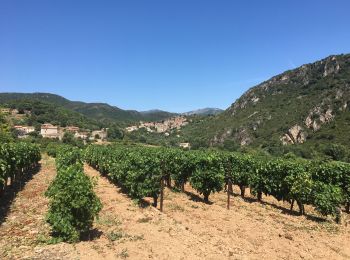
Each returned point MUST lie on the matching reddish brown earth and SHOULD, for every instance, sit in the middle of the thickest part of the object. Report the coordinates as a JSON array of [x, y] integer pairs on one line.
[[188, 228]]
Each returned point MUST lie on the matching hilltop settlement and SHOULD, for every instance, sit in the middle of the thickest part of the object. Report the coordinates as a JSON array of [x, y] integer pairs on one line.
[[160, 127]]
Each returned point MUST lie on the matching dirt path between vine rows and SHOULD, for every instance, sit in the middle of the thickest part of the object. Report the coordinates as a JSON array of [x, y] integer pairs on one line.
[[187, 229], [23, 214]]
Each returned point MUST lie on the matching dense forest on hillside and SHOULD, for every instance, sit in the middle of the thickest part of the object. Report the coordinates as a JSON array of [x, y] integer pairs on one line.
[[98, 111]]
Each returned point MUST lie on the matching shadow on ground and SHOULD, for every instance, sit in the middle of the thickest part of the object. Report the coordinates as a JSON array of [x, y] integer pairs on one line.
[[11, 191]]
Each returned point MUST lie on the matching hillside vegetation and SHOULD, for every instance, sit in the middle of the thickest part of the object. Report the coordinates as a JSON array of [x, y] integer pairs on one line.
[[304, 108], [97, 111]]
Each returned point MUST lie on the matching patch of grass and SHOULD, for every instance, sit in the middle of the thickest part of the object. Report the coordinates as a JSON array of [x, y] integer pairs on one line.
[[114, 235], [330, 227], [97, 249], [119, 235], [47, 240], [123, 254], [108, 221], [136, 238], [176, 207]]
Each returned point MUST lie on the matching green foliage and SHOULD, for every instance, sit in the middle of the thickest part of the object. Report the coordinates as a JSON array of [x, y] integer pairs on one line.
[[17, 159], [43, 111], [336, 152], [114, 132], [73, 203], [139, 170], [180, 165], [327, 198], [209, 175], [5, 134], [52, 149], [68, 155], [58, 110]]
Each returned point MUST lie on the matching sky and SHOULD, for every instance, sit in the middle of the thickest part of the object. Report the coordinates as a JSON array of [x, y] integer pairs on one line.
[[174, 55]]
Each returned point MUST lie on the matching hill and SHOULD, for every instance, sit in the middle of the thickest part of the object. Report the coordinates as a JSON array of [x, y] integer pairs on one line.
[[95, 111], [305, 107], [204, 111], [156, 115], [45, 112]]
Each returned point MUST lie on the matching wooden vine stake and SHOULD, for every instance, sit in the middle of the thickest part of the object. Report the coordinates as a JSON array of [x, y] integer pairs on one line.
[[161, 193], [229, 185]]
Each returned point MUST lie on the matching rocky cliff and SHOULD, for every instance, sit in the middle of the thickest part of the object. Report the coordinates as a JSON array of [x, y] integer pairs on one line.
[[304, 105]]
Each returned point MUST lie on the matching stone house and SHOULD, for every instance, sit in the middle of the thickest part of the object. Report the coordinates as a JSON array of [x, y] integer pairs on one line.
[[72, 129], [14, 112], [185, 145], [82, 134], [50, 131], [131, 128], [99, 134], [23, 131]]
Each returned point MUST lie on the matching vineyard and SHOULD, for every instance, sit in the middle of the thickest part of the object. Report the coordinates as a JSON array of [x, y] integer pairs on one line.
[[73, 204], [16, 160], [143, 172], [63, 203]]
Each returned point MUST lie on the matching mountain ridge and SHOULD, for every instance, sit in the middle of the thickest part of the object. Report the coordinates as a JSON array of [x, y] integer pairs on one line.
[[204, 111], [303, 106], [97, 110]]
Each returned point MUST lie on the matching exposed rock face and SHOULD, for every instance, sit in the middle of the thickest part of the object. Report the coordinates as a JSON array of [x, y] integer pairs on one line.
[[295, 135], [316, 118], [331, 66], [255, 99], [243, 137], [221, 138]]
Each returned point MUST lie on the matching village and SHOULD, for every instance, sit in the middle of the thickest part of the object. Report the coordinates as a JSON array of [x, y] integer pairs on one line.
[[48, 130], [163, 127], [160, 127], [51, 131]]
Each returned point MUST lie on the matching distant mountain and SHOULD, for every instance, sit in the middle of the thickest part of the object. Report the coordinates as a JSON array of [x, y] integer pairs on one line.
[[156, 114], [308, 107], [97, 111], [204, 111]]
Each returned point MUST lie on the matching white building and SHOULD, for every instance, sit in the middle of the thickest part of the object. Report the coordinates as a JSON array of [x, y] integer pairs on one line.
[[185, 145], [82, 134], [99, 134], [49, 131], [131, 128]]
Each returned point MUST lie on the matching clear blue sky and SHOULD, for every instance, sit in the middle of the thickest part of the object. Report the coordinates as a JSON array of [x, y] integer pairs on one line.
[[175, 55]]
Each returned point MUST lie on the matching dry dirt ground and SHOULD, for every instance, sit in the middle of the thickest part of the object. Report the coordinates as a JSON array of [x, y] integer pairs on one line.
[[188, 228]]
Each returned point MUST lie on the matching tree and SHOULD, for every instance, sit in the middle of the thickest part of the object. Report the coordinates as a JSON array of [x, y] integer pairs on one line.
[[115, 133], [336, 151], [68, 138], [5, 135]]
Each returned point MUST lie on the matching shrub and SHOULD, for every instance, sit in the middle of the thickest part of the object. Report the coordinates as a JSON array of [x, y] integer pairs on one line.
[[208, 176], [73, 203]]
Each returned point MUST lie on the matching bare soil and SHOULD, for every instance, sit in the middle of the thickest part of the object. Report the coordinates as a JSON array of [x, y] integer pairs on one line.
[[187, 229]]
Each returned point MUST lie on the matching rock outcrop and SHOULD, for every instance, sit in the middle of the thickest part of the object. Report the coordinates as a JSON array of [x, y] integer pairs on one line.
[[295, 135], [316, 118], [331, 66]]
